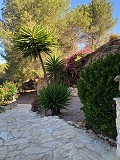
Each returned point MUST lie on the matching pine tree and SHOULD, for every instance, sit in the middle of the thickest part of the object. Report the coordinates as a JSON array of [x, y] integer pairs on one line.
[[95, 20]]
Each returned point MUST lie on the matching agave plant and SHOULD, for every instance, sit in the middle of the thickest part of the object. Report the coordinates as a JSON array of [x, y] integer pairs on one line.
[[54, 66], [55, 97], [33, 42]]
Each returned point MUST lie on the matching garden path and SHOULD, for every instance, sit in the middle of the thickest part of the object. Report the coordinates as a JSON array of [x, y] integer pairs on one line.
[[74, 113], [24, 135]]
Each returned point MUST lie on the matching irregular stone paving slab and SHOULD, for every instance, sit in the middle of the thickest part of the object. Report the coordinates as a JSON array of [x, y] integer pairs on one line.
[[24, 135]]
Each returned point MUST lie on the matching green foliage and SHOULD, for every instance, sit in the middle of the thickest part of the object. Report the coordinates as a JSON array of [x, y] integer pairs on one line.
[[20, 69], [94, 21], [47, 13], [2, 95], [34, 41], [15, 15], [2, 69], [7, 92], [55, 66], [69, 26], [96, 90], [55, 97], [10, 91]]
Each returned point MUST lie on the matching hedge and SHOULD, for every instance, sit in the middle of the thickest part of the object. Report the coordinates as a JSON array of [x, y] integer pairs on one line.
[[96, 90]]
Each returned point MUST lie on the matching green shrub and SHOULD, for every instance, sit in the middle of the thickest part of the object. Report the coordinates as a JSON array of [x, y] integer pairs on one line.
[[55, 97], [10, 91], [55, 68], [2, 95], [96, 90]]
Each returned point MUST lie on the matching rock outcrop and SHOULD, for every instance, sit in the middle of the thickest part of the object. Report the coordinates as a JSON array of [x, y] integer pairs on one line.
[[111, 47]]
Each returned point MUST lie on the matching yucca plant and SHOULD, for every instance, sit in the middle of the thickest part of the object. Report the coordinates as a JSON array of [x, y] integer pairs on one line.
[[33, 42], [54, 66], [55, 97]]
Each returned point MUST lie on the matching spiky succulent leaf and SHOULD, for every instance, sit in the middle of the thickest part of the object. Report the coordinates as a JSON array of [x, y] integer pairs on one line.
[[34, 41], [55, 96], [54, 66]]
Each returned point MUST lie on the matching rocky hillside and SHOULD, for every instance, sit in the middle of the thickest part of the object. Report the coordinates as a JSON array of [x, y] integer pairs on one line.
[[113, 46]]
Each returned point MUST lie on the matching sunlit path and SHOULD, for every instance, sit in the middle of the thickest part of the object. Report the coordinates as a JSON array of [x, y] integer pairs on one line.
[[26, 136]]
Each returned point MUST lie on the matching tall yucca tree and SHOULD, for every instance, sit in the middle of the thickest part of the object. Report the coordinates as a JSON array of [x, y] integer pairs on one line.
[[33, 42]]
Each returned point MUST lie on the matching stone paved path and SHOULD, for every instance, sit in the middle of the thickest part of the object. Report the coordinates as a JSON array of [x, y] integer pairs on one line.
[[26, 136]]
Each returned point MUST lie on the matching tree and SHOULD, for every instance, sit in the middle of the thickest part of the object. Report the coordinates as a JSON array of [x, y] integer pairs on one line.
[[33, 42], [2, 73], [2, 68], [86, 24], [94, 21], [17, 13], [48, 13]]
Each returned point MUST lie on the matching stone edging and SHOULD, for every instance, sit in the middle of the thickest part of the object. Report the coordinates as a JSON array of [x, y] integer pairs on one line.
[[112, 142], [10, 106]]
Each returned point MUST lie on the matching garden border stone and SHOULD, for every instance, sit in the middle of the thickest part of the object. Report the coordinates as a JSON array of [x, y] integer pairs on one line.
[[10, 106]]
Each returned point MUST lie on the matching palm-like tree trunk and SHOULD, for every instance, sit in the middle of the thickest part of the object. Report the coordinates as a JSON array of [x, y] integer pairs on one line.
[[43, 67]]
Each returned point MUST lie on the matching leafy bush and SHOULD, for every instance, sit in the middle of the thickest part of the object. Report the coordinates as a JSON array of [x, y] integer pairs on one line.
[[75, 64], [10, 91], [97, 90], [55, 68], [55, 97], [2, 95]]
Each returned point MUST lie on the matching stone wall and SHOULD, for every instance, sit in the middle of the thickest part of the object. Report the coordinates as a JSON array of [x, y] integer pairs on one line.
[[112, 46], [118, 124]]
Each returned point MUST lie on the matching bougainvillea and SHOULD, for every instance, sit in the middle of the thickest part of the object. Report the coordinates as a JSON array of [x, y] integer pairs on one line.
[[74, 63]]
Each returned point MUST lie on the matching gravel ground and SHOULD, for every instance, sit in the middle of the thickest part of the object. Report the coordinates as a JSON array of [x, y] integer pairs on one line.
[[26, 98], [73, 114]]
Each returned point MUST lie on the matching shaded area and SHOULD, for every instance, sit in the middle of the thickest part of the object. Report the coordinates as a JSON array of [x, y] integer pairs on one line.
[[26, 97]]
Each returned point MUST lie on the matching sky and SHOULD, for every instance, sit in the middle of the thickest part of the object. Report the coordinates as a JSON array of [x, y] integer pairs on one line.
[[74, 3]]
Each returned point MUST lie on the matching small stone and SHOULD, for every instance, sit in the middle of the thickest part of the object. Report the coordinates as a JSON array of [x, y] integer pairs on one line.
[[70, 123], [76, 125], [45, 118]]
